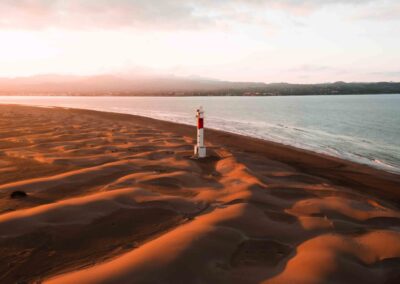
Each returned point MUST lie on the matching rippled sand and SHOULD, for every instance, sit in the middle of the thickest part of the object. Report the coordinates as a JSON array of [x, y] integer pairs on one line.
[[118, 199]]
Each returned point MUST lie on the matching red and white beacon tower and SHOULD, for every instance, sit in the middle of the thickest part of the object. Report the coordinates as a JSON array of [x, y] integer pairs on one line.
[[199, 148]]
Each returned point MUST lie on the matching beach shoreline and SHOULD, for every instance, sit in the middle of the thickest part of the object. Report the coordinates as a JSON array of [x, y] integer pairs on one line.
[[344, 171], [312, 125], [100, 197]]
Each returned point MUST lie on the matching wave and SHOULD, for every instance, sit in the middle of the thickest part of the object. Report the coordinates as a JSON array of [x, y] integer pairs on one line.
[[379, 162]]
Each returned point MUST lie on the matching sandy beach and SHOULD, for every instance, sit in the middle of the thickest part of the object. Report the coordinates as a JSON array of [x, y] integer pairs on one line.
[[116, 198]]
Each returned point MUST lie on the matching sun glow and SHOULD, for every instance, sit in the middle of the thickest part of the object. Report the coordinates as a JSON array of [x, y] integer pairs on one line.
[[254, 42]]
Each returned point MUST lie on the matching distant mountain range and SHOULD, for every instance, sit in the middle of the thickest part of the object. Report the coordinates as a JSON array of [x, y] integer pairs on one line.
[[178, 86]]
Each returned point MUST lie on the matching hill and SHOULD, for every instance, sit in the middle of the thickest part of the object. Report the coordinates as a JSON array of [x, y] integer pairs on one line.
[[177, 86]]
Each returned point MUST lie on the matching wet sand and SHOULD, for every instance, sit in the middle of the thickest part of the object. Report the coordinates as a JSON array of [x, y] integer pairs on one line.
[[115, 198]]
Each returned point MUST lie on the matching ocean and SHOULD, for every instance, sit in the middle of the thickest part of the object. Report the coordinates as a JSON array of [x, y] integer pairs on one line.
[[360, 128]]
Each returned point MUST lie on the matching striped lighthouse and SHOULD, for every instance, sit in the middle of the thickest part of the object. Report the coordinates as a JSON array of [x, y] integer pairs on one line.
[[199, 148]]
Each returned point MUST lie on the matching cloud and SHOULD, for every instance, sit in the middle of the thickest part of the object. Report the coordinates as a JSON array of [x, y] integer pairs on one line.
[[34, 14], [161, 14], [380, 12]]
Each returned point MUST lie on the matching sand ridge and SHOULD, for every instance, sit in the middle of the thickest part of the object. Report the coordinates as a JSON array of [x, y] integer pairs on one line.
[[118, 199]]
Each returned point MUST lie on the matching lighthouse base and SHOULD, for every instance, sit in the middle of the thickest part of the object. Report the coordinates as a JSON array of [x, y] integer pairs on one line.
[[199, 152]]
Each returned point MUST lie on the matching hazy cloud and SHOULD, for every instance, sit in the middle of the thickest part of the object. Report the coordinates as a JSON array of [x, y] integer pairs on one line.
[[380, 13], [387, 74], [172, 14], [310, 68], [313, 69]]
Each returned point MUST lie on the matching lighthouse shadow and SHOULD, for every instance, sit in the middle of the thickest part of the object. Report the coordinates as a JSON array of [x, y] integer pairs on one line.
[[207, 164]]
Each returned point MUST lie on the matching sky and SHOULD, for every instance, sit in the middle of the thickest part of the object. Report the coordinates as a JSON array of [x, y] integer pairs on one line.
[[297, 41]]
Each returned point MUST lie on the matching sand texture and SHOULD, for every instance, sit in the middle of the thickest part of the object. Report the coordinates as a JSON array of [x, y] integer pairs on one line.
[[114, 198]]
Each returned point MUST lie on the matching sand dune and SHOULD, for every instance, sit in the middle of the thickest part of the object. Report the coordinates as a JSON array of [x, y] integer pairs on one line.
[[118, 199]]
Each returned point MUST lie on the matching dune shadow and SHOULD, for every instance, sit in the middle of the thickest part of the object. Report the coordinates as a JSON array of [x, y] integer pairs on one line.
[[54, 250], [255, 252]]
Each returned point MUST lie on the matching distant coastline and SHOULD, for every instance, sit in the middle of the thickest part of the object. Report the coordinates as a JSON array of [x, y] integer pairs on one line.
[[109, 85], [179, 94]]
